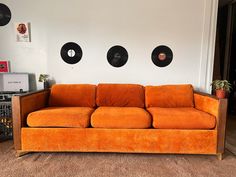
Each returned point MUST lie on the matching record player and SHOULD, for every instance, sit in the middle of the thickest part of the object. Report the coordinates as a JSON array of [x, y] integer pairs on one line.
[[13, 83]]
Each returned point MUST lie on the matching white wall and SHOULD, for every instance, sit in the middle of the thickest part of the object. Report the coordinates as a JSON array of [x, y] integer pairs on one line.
[[186, 26]]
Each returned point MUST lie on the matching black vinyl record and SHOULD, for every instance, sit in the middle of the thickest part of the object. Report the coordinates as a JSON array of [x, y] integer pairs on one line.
[[5, 15], [71, 53], [162, 56], [117, 56]]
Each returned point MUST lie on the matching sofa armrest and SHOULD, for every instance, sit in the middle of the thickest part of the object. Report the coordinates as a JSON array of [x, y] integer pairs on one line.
[[217, 107], [22, 105], [207, 103]]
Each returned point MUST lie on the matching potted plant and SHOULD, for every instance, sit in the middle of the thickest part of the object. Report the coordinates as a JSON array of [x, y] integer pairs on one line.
[[44, 78], [221, 87]]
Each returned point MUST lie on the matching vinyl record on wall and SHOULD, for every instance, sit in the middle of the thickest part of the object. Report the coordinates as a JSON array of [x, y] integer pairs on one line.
[[5, 15], [162, 56], [71, 53], [117, 56]]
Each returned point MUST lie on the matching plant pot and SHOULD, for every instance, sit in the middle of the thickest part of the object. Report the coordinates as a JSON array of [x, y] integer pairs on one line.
[[46, 85], [220, 93]]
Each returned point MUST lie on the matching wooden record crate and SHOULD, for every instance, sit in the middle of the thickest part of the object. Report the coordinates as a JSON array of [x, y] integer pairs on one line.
[[6, 126]]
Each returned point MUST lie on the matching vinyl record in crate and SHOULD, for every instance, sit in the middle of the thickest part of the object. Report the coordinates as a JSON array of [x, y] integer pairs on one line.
[[5, 15], [162, 56], [71, 53], [117, 56]]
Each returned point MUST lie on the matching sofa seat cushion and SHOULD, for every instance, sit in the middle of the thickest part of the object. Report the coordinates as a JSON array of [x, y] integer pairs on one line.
[[181, 118], [61, 117], [121, 117]]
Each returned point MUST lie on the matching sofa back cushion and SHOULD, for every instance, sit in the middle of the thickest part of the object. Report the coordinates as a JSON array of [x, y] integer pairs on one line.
[[79, 95], [120, 95], [169, 96]]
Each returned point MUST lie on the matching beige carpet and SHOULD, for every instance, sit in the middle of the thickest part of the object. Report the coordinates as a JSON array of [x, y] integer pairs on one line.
[[112, 164]]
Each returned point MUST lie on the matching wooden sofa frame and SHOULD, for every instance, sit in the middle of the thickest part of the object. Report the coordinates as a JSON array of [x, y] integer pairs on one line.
[[26, 103]]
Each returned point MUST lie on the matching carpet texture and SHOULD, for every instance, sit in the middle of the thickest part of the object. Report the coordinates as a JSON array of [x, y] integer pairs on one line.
[[112, 164]]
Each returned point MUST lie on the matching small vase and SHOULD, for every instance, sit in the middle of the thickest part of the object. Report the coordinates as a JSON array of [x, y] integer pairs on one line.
[[220, 94], [46, 85]]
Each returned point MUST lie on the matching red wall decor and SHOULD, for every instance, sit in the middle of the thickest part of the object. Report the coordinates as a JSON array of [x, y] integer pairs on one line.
[[4, 66]]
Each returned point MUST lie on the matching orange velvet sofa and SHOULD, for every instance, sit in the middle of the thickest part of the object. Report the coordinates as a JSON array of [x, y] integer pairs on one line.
[[126, 118]]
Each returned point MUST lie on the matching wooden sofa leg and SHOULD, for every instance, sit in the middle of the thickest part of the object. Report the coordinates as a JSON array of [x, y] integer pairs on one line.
[[220, 156], [20, 153]]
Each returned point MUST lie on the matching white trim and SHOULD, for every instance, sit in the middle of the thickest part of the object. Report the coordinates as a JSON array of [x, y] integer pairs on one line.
[[208, 45]]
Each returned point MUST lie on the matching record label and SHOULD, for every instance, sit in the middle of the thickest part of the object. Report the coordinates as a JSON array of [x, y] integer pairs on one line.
[[71, 53], [5, 15], [117, 56], [162, 56]]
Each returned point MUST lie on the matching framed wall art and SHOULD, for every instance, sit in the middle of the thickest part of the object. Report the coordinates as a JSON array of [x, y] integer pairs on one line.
[[4, 66], [22, 31]]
